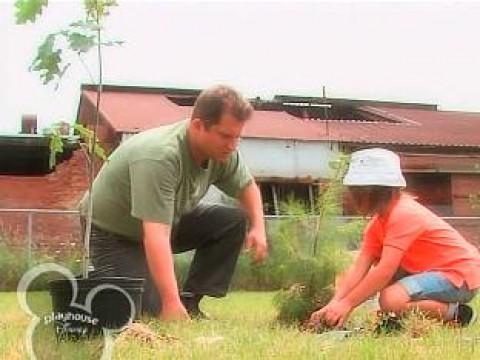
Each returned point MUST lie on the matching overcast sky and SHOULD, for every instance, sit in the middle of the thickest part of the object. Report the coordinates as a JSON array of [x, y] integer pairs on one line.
[[405, 51]]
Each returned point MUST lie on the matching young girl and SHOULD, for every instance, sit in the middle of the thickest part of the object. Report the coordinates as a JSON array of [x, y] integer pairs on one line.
[[420, 261]]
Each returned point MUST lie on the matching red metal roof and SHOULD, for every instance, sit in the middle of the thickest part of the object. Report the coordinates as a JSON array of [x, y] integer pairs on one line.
[[418, 127], [133, 112]]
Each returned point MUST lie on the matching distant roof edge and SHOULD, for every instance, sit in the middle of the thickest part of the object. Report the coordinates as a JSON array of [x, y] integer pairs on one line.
[[358, 102], [277, 98], [142, 89]]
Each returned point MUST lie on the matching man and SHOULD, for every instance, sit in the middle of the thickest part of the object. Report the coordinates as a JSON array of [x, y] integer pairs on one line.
[[146, 206]]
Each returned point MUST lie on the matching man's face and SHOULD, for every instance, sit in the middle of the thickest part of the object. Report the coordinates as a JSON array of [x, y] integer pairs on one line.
[[221, 140]]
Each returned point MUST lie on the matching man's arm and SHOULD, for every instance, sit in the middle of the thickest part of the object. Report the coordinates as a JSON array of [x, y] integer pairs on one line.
[[251, 200], [159, 256]]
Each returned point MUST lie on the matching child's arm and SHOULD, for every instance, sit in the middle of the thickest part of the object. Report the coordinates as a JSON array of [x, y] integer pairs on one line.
[[353, 276], [377, 278], [337, 312]]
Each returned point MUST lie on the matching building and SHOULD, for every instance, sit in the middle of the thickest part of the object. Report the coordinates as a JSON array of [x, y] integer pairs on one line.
[[38, 191], [288, 145], [299, 136]]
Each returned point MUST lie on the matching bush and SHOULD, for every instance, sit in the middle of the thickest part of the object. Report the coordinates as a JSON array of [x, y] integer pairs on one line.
[[314, 272], [306, 253], [14, 264]]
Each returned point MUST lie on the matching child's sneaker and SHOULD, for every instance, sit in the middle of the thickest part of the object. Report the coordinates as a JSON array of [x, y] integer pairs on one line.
[[465, 315], [387, 324]]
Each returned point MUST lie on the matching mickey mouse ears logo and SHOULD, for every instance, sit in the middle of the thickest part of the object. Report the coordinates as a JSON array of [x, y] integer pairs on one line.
[[73, 319]]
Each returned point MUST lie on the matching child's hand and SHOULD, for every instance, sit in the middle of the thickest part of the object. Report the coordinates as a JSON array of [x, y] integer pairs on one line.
[[337, 313], [319, 315], [334, 314]]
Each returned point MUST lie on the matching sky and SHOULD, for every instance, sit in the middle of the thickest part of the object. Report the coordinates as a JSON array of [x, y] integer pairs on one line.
[[399, 51]]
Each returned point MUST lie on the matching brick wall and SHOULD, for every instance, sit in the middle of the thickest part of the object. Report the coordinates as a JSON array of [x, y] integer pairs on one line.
[[61, 189]]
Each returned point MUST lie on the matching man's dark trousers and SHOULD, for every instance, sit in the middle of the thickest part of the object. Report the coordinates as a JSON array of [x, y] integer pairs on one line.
[[215, 232]]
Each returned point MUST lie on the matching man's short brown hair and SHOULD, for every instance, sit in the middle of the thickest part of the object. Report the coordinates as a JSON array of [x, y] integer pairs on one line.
[[214, 102]]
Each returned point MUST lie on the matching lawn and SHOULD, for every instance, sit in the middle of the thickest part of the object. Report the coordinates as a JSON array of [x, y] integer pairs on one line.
[[244, 328]]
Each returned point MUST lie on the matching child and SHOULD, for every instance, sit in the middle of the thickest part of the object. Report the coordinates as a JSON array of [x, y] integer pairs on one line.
[[420, 261]]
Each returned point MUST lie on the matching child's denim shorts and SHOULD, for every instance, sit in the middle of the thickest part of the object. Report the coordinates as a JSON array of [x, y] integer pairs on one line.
[[432, 285]]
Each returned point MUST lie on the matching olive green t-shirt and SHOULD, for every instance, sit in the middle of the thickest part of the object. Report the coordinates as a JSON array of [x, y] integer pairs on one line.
[[153, 177]]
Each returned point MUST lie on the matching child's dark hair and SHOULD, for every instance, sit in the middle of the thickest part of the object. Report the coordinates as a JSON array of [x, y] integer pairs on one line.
[[379, 197]]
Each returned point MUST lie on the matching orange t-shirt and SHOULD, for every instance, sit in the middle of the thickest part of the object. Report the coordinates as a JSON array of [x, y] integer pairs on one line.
[[428, 242]]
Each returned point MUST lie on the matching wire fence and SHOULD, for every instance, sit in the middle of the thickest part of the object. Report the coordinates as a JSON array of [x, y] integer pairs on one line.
[[51, 231], [56, 231]]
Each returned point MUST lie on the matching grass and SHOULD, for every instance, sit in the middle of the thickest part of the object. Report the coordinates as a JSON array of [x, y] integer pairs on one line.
[[245, 328]]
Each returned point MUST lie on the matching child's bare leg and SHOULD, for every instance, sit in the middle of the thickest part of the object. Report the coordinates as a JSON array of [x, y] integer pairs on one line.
[[395, 298]]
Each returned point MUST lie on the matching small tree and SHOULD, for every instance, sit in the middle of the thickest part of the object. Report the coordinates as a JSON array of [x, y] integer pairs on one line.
[[316, 270], [78, 38]]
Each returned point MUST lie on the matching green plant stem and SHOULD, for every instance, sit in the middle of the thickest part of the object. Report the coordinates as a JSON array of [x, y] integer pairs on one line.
[[86, 256]]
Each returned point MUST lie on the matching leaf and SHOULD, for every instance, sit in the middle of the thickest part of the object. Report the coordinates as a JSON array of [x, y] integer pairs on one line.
[[79, 42], [88, 25], [28, 10], [48, 60], [98, 9], [113, 43], [87, 136], [55, 144]]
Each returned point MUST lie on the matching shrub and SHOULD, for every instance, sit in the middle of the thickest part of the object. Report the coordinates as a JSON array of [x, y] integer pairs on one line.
[[14, 263], [314, 272], [306, 253]]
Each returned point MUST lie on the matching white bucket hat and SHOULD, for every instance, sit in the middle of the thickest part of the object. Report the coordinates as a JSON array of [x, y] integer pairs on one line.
[[374, 167]]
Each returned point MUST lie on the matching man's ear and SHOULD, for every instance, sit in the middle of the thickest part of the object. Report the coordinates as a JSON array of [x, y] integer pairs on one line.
[[197, 124]]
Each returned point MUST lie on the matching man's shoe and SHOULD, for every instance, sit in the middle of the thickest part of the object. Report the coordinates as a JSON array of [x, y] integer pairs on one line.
[[191, 302], [465, 315]]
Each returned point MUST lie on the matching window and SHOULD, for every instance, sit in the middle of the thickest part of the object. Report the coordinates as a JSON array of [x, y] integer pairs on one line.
[[274, 193]]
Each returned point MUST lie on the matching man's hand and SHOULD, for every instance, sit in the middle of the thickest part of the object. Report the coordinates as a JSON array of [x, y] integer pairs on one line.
[[172, 311], [257, 241], [334, 314]]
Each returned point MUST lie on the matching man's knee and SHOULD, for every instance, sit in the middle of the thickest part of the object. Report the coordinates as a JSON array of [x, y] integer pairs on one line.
[[394, 298], [238, 218]]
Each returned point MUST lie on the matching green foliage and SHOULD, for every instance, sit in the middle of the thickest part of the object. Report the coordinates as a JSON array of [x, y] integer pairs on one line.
[[98, 9], [327, 257], [55, 143], [297, 302], [79, 37], [28, 10], [14, 263], [48, 61], [305, 278], [79, 42], [87, 136], [329, 203], [243, 329], [309, 278]]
